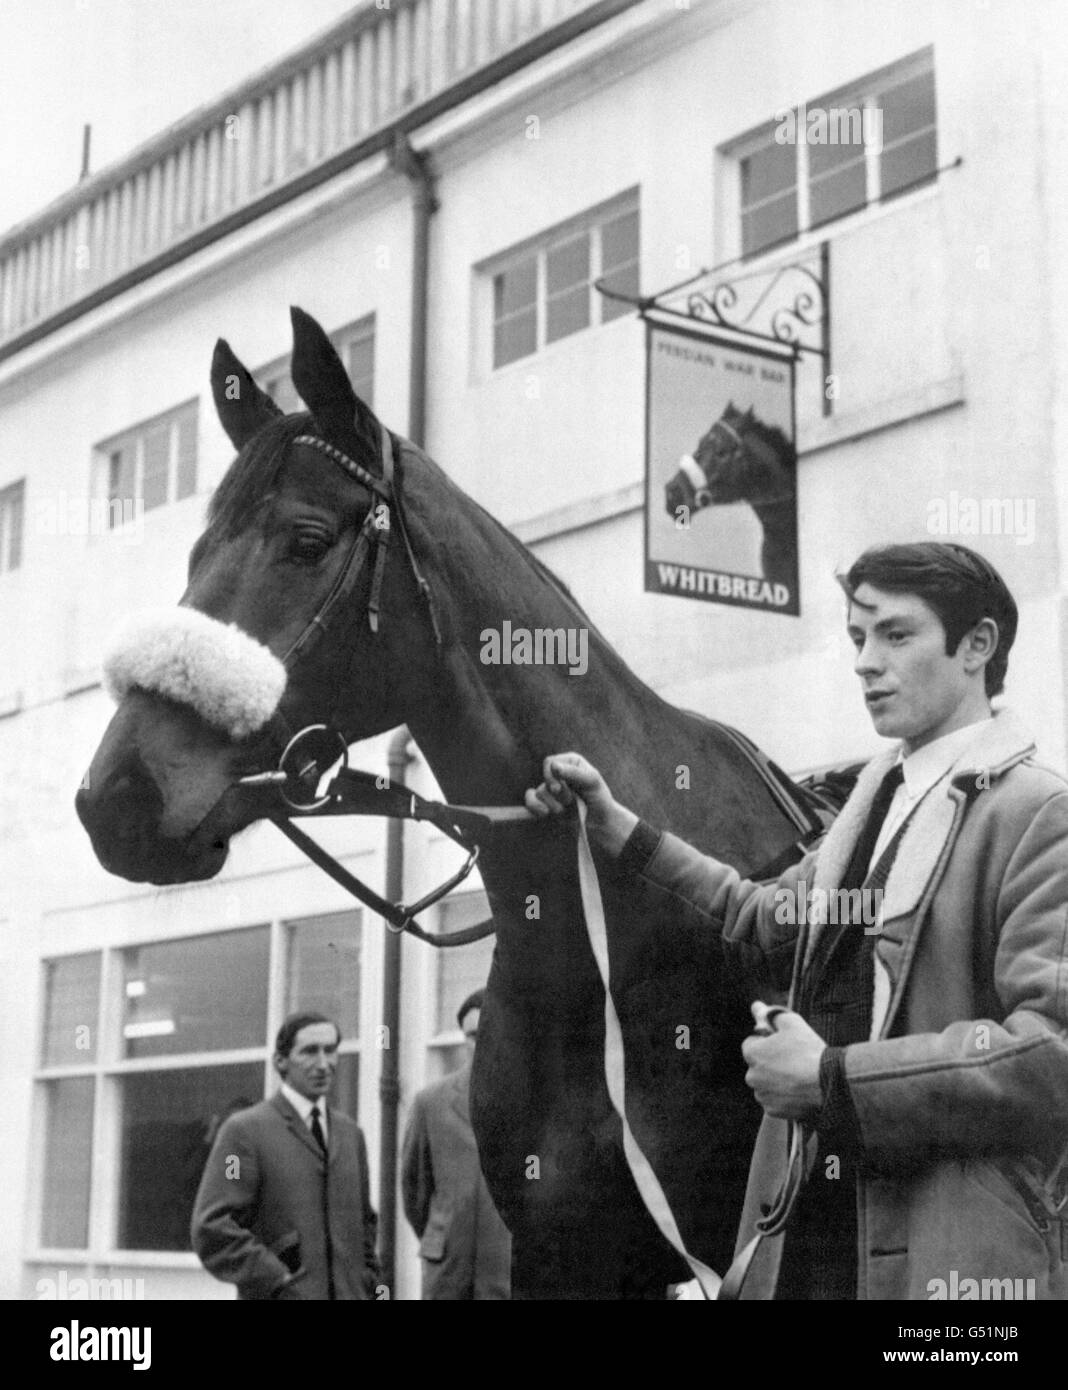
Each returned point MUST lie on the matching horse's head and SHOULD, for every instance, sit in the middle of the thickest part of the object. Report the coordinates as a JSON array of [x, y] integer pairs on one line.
[[272, 629], [737, 460]]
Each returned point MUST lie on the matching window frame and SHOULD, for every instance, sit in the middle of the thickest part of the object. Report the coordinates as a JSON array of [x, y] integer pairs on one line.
[[135, 437], [539, 248], [864, 94], [12, 519]]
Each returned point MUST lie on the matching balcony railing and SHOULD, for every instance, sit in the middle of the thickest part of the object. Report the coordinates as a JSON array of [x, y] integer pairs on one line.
[[331, 95]]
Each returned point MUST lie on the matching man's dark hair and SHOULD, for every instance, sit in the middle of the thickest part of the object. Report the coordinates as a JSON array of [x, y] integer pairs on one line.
[[473, 1001], [957, 584], [287, 1034]]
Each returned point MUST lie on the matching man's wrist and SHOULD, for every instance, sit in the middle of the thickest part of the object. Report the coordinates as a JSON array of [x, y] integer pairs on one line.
[[612, 829]]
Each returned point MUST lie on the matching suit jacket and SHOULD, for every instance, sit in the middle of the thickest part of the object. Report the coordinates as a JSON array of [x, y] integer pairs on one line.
[[961, 1093], [465, 1245], [266, 1179]]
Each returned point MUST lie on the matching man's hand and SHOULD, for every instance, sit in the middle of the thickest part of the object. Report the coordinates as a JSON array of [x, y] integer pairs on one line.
[[569, 774], [784, 1067]]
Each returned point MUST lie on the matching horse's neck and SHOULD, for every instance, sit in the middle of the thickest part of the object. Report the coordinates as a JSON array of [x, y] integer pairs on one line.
[[486, 729], [779, 523]]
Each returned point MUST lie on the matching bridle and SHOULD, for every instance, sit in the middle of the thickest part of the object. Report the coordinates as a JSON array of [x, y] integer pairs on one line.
[[306, 754]]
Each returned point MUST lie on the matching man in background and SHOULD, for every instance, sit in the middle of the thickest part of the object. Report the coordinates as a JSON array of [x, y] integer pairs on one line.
[[465, 1246], [284, 1207]]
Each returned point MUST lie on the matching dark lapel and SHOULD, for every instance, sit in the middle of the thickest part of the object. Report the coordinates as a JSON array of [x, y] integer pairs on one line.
[[297, 1125]]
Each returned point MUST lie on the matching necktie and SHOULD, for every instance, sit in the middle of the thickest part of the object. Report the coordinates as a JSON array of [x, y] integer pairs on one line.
[[317, 1129], [861, 860]]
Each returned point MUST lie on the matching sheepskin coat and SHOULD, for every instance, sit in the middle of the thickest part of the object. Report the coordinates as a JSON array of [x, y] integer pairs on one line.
[[961, 1095]]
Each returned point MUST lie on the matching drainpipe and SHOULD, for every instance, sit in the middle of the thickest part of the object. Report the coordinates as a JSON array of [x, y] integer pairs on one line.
[[415, 165], [399, 757]]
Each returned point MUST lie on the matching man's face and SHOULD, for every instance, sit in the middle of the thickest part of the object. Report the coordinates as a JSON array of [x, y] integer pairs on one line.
[[470, 1027], [912, 689], [312, 1060]]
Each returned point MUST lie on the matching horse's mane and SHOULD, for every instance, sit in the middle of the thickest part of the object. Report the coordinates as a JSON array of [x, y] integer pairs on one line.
[[771, 435]]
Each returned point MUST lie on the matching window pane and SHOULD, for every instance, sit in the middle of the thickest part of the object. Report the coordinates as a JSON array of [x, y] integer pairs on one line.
[[568, 265], [567, 313], [463, 970], [68, 1163], [515, 337], [619, 242], [835, 194], [767, 172], [908, 108], [324, 969], [359, 358], [121, 487], [157, 447], [909, 164], [169, 1123], [281, 390], [200, 994], [769, 224], [515, 289], [346, 1093], [186, 467], [72, 994], [11, 513]]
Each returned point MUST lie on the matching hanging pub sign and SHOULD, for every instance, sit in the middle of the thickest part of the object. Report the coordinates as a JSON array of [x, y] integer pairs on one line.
[[720, 471]]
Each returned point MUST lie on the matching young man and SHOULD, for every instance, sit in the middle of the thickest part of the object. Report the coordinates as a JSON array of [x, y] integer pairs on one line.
[[284, 1207], [926, 1047], [464, 1244]]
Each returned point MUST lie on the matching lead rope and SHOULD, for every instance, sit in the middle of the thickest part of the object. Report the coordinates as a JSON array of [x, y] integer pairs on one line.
[[648, 1184]]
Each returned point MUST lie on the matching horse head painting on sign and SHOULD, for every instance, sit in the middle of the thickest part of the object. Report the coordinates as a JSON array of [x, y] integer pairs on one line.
[[343, 579]]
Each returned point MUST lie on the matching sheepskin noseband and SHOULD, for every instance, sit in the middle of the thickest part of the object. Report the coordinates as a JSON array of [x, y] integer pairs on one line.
[[232, 681]]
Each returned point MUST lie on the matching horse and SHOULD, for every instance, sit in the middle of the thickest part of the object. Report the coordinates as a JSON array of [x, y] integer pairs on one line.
[[369, 646], [742, 459]]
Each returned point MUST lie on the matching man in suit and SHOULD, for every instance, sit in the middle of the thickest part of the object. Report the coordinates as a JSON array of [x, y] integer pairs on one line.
[[465, 1246], [284, 1208], [925, 1047]]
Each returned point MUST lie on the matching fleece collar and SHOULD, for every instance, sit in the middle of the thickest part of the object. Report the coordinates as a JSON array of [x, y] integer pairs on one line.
[[232, 681], [999, 745]]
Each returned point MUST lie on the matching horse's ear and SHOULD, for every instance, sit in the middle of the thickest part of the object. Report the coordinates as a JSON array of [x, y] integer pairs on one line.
[[324, 387], [242, 407]]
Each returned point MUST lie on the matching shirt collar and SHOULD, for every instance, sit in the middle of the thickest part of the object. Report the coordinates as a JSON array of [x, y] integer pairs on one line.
[[301, 1104], [930, 763]]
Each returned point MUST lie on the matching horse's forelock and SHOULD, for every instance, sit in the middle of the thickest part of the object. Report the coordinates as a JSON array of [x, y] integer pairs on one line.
[[253, 473]]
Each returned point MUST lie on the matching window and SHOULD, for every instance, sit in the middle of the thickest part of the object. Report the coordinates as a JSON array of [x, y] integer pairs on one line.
[[191, 1042], [828, 158], [460, 972], [355, 346], [150, 465], [546, 291], [12, 509]]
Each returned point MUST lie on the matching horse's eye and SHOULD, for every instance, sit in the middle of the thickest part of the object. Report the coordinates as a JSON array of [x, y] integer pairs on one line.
[[308, 547]]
